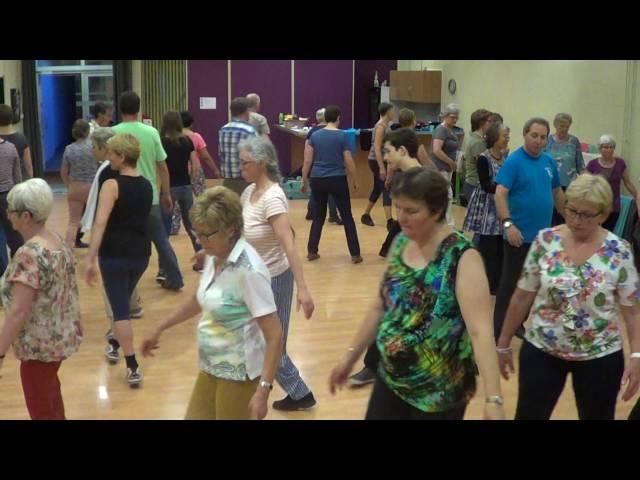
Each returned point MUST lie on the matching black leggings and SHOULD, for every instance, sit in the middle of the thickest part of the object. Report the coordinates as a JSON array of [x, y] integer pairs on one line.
[[378, 185], [386, 405], [596, 384], [491, 250], [635, 413], [393, 232]]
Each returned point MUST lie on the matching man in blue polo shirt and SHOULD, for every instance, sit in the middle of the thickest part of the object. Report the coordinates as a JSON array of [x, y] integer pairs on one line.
[[528, 186]]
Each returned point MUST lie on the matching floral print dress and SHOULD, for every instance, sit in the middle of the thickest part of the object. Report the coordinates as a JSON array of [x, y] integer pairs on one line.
[[575, 314]]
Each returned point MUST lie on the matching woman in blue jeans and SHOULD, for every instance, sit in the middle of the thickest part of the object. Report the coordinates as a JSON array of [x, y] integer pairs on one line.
[[120, 241], [180, 153]]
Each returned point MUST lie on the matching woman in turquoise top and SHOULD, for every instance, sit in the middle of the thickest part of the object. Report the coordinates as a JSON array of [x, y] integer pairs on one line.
[[566, 151], [431, 318]]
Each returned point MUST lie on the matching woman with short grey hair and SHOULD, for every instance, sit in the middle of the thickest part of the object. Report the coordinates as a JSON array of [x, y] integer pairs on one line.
[[39, 293], [444, 148], [565, 149], [615, 170], [268, 229]]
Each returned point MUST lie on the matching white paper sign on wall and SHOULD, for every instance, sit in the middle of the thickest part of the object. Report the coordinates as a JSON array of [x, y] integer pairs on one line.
[[207, 103]]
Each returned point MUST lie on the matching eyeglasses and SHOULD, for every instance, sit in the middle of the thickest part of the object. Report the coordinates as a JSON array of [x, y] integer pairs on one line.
[[205, 236], [581, 215]]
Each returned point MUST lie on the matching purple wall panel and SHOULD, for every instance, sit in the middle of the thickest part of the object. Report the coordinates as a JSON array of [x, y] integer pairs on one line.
[[271, 79], [319, 83], [364, 73], [208, 78]]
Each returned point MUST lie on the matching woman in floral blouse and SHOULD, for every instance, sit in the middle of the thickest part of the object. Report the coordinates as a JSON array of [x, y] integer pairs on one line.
[[432, 317], [40, 297], [575, 277]]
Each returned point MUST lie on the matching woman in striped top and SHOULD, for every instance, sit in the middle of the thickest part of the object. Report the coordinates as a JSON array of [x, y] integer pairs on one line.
[[267, 229]]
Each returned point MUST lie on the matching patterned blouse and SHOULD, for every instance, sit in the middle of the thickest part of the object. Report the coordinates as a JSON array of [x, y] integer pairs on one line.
[[52, 333], [575, 313], [426, 353], [230, 342]]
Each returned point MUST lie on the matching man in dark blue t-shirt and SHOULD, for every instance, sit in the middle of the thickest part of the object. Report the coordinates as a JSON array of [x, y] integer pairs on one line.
[[327, 160], [528, 186], [333, 211]]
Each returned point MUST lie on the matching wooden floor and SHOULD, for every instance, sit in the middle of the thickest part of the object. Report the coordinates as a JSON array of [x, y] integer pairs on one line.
[[92, 389]]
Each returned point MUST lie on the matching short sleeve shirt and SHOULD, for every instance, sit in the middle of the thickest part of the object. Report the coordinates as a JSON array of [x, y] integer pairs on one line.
[[575, 313], [230, 342]]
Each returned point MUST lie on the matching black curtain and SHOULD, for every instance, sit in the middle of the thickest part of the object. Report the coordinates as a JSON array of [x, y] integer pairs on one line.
[[31, 124], [122, 81]]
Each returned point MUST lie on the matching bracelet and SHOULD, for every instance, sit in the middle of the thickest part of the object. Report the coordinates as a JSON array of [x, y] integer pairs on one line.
[[504, 350], [633, 355]]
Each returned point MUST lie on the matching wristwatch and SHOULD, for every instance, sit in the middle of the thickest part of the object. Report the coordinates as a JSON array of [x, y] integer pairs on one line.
[[264, 384], [497, 399], [506, 223]]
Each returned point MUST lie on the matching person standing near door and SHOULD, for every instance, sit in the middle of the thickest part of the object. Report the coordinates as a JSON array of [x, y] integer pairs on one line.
[[78, 171], [10, 175], [7, 132]]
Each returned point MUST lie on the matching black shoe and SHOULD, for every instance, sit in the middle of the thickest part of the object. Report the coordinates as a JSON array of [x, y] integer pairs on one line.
[[169, 286], [288, 404], [308, 216], [367, 220], [337, 220], [384, 251], [81, 244], [363, 377], [161, 277], [390, 224]]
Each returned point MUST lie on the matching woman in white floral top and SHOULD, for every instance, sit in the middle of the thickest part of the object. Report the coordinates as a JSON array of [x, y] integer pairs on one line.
[[577, 277], [40, 298]]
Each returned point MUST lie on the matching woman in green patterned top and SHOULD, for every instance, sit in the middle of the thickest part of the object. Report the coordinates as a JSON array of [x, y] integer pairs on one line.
[[577, 281], [432, 317]]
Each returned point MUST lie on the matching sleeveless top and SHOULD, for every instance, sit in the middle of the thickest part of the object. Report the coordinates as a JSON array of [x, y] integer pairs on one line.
[[425, 349], [372, 150], [126, 234]]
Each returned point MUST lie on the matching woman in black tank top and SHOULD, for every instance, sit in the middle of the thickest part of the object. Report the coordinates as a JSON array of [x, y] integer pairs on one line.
[[121, 243]]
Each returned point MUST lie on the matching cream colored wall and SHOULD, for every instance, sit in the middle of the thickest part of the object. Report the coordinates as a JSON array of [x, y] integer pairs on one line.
[[10, 70], [593, 92]]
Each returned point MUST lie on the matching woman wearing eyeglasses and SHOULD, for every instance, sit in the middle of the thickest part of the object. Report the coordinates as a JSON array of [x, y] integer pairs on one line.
[[615, 170], [444, 148], [576, 279], [239, 333]]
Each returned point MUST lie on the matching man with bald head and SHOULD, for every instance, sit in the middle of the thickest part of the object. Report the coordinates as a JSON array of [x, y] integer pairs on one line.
[[257, 120]]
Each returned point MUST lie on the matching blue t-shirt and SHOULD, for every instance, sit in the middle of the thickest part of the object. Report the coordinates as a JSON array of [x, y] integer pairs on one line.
[[531, 182], [328, 150]]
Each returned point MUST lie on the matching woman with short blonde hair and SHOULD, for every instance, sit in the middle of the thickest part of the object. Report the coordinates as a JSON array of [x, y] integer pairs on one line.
[[239, 333], [121, 244], [576, 279]]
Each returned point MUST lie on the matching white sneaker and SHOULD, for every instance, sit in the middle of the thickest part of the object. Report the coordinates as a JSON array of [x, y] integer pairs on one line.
[[134, 377]]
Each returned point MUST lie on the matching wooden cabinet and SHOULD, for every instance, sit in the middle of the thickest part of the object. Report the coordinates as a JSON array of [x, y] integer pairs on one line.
[[416, 86]]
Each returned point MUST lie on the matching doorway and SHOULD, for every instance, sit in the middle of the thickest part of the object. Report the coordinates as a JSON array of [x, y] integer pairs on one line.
[[67, 89]]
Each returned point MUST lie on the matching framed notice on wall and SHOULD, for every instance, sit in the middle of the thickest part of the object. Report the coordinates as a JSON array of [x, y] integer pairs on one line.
[[1, 90], [16, 104]]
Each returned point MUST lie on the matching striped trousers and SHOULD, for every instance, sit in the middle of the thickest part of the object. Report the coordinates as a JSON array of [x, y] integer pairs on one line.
[[287, 375]]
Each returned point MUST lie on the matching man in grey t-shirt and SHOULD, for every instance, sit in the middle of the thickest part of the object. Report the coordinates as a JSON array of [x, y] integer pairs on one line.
[[257, 120]]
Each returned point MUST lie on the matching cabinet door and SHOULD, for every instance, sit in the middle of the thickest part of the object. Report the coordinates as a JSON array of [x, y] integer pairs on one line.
[[431, 87]]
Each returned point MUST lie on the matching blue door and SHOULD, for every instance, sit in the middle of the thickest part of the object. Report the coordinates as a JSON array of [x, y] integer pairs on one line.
[[58, 112]]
